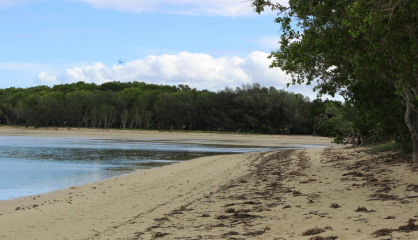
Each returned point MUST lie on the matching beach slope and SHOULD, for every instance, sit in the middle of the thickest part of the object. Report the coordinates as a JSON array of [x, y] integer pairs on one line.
[[294, 194]]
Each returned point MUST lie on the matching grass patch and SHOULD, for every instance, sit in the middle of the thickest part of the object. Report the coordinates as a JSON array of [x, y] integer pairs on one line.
[[389, 146]]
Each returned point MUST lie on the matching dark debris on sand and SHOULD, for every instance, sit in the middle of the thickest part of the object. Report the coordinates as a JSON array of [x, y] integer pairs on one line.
[[334, 205], [230, 233], [266, 180], [313, 231], [382, 232], [383, 197], [363, 209], [411, 226], [159, 234], [323, 238]]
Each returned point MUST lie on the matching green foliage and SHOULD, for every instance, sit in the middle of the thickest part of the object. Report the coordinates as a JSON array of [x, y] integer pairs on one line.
[[365, 50], [246, 109]]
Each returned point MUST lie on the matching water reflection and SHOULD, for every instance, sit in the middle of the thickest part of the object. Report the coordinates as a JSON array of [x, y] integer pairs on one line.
[[34, 165]]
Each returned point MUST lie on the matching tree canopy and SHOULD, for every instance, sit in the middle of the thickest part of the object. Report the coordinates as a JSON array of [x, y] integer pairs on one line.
[[366, 50], [249, 108]]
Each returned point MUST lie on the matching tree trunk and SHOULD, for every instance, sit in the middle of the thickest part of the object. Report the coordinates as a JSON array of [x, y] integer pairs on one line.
[[113, 120], [411, 122], [415, 152], [124, 116]]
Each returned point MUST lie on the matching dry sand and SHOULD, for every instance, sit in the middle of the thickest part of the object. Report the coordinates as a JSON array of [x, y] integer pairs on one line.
[[299, 194]]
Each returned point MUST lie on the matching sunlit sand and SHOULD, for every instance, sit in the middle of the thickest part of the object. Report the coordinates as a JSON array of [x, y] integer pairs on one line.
[[274, 195]]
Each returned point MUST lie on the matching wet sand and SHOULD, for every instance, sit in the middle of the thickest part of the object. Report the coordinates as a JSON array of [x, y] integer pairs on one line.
[[178, 137], [318, 193]]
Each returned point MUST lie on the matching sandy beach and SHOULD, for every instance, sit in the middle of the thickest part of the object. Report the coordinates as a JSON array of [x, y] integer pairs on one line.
[[321, 193], [178, 137]]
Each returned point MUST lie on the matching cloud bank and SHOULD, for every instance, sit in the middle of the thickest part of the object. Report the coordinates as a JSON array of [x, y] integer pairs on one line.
[[197, 70]]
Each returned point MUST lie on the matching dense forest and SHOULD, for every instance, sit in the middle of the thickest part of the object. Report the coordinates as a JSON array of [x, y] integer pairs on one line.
[[138, 105]]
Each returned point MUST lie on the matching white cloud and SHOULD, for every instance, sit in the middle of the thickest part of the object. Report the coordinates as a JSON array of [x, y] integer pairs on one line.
[[21, 74], [44, 78], [197, 70]]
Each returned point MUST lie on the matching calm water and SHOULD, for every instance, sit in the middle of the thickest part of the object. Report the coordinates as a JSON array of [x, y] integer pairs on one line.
[[34, 165]]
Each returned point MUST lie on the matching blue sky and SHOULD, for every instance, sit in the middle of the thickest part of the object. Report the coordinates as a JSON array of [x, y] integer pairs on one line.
[[205, 44]]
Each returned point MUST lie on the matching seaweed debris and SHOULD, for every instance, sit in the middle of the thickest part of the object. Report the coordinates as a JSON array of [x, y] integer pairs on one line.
[[334, 205], [382, 232], [323, 238], [313, 231]]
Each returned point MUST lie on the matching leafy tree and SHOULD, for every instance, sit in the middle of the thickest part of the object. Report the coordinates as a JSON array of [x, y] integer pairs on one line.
[[351, 43]]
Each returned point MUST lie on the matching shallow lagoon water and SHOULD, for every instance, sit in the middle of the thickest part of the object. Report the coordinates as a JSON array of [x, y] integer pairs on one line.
[[35, 165]]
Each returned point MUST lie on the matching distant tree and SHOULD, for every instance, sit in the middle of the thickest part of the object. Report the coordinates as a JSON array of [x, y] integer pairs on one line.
[[107, 115], [141, 105], [124, 118], [147, 119]]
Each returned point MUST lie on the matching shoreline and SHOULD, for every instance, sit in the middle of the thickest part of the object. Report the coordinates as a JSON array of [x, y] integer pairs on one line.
[[332, 192], [164, 137], [177, 137], [293, 194]]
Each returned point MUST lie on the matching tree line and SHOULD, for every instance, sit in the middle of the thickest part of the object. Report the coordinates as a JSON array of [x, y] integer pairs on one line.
[[138, 105]]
